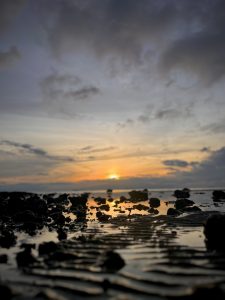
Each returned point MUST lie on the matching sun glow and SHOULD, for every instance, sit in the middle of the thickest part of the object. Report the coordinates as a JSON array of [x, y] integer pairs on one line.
[[114, 176]]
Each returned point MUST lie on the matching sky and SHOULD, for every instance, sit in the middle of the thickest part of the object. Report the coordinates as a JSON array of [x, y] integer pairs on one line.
[[102, 94]]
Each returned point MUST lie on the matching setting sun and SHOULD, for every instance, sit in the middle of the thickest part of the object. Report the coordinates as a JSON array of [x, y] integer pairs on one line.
[[114, 176]]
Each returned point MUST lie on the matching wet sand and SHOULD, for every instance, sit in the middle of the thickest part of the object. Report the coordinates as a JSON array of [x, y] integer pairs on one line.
[[107, 247]]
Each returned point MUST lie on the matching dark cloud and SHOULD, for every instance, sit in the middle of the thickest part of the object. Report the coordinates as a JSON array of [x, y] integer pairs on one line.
[[176, 163], [91, 149], [30, 149], [9, 57], [215, 128], [201, 50], [188, 34], [9, 9], [110, 27], [66, 87]]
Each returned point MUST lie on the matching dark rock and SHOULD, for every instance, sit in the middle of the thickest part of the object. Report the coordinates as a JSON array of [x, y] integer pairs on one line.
[[5, 292], [207, 292], [25, 258], [123, 199], [62, 235], [137, 196], [104, 207], [102, 217], [47, 247], [140, 207], [185, 193], [100, 200], [218, 195], [213, 231], [112, 262], [3, 258], [154, 202], [173, 212], [190, 209], [7, 238], [182, 203]]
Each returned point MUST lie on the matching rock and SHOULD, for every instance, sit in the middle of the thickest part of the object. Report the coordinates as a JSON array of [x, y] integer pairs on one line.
[[154, 202], [5, 291], [137, 196], [213, 230], [100, 200], [47, 247], [112, 262], [102, 217], [3, 258], [25, 258], [7, 238], [173, 212], [182, 203], [218, 195], [185, 193], [191, 209], [206, 292], [62, 235], [140, 207], [104, 207]]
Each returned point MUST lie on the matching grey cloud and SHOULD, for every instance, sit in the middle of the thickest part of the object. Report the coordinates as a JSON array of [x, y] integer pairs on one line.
[[179, 163], [66, 87], [91, 149], [189, 34], [30, 149], [9, 57], [109, 28], [205, 149], [202, 50], [9, 9], [215, 128]]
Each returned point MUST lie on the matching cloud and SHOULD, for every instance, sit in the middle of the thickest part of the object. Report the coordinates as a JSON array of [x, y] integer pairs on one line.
[[215, 128], [201, 50], [9, 57], [183, 34], [91, 149], [30, 149], [111, 28], [176, 163], [62, 91], [9, 9]]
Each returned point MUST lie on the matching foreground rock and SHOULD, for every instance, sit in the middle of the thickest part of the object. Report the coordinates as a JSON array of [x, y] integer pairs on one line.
[[185, 193], [218, 195], [213, 230], [137, 196]]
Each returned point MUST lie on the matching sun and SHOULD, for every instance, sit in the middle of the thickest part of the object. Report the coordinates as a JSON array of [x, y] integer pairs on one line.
[[114, 176]]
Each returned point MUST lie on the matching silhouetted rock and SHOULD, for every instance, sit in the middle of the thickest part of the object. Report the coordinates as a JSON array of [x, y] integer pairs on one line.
[[104, 207], [5, 291], [100, 200], [185, 193], [7, 238], [3, 258], [112, 262], [154, 202], [218, 195], [62, 235], [140, 207], [182, 203], [191, 209], [213, 230], [47, 247], [137, 196], [25, 258], [173, 212], [102, 217]]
